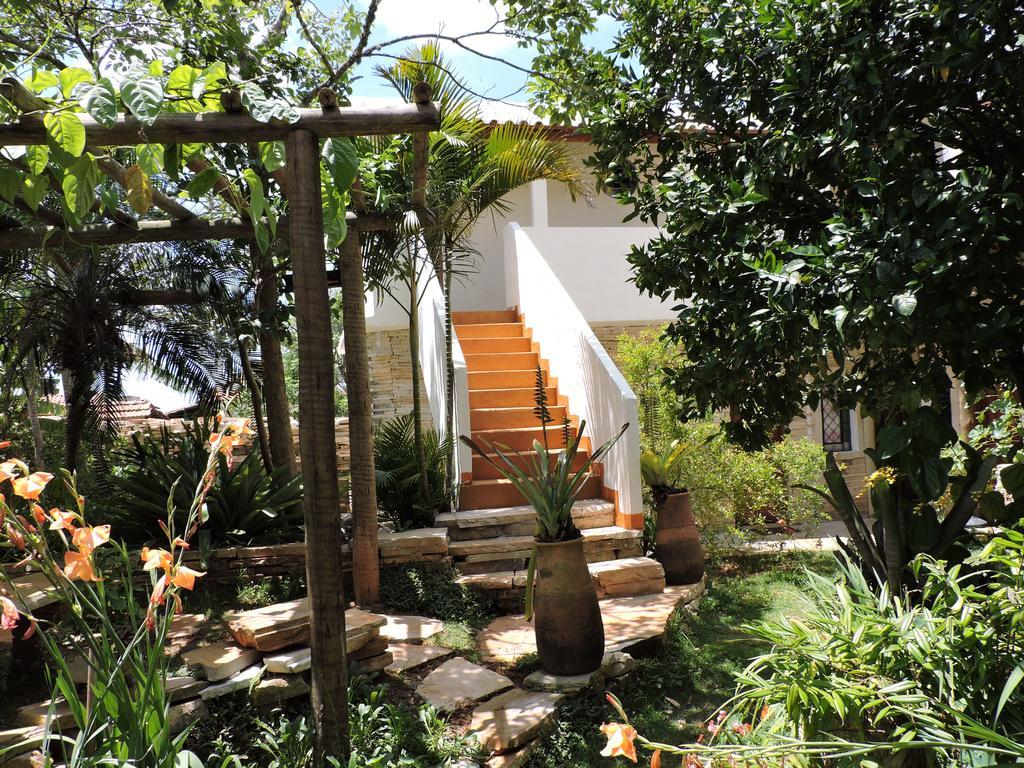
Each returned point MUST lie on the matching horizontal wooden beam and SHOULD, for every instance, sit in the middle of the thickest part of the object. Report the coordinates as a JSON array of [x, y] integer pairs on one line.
[[227, 128], [160, 231]]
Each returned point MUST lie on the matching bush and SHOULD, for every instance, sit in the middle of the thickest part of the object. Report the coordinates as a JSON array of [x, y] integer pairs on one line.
[[246, 503], [429, 591], [644, 360], [399, 497]]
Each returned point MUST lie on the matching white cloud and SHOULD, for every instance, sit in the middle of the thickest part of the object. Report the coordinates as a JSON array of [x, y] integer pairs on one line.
[[450, 17]]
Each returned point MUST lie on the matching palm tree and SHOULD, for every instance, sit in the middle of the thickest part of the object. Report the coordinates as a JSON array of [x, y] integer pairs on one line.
[[473, 167], [88, 318]]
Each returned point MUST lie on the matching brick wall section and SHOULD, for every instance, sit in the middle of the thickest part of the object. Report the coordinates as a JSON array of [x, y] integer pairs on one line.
[[391, 375]]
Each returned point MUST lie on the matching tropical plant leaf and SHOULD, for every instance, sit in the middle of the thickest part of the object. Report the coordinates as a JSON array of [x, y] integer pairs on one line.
[[100, 100], [65, 131], [144, 97], [139, 189]]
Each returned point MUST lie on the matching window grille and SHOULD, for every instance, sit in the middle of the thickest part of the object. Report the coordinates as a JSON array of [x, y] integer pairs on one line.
[[835, 428]]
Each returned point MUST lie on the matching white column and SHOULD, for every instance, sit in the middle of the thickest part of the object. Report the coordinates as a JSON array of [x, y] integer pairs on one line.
[[539, 202]]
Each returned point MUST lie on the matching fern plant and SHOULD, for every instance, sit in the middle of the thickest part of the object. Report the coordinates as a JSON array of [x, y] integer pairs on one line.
[[399, 490]]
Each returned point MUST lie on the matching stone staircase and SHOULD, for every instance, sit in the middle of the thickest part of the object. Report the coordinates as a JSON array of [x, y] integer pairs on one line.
[[491, 534]]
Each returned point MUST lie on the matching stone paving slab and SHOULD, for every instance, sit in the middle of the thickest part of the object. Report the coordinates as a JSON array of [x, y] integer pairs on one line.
[[406, 656], [410, 629], [459, 682], [233, 684], [220, 661], [272, 690], [512, 719], [31, 591], [628, 621]]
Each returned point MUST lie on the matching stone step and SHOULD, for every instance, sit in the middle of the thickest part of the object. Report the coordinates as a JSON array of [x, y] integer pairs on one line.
[[474, 317], [521, 438], [505, 418], [520, 520], [503, 361], [481, 345], [515, 397], [489, 331], [612, 578], [522, 379], [488, 494], [511, 552]]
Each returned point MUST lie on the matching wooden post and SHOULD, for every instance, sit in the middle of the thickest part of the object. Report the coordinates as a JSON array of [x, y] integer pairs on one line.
[[316, 447], [365, 563]]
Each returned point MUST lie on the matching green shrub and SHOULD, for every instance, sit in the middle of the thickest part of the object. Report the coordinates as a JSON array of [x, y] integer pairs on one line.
[[643, 360], [399, 496], [430, 591], [245, 504]]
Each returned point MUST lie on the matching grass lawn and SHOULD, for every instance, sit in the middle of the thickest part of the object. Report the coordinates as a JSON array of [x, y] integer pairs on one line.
[[672, 694]]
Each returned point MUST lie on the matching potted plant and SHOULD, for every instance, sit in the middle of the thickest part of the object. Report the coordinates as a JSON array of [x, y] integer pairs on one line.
[[568, 625], [677, 543]]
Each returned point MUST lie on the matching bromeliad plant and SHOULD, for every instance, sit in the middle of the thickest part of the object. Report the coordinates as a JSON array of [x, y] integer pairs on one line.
[[660, 471], [123, 717]]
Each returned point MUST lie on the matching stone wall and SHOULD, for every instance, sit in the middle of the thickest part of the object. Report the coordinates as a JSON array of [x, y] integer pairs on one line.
[[391, 375]]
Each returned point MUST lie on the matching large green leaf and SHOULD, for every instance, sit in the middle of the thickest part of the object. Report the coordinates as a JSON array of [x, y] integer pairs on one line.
[[150, 158], [272, 155], [202, 182], [144, 97], [342, 161], [265, 108], [37, 156], [10, 183], [34, 189], [71, 77], [100, 101], [65, 131], [79, 185]]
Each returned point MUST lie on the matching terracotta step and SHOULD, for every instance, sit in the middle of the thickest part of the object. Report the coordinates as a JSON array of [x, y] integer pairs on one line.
[[521, 439], [512, 552], [487, 494], [503, 361], [490, 331], [521, 520], [504, 380], [508, 398], [494, 345], [507, 418], [484, 316], [612, 578], [482, 470]]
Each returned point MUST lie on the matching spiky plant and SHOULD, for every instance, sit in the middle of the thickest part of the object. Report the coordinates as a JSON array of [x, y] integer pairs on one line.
[[659, 470]]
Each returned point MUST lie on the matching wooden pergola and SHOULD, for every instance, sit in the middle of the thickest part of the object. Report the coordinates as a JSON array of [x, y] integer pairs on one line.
[[303, 227]]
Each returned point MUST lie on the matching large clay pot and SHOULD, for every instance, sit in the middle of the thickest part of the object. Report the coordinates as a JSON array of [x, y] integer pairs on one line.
[[676, 543], [566, 616]]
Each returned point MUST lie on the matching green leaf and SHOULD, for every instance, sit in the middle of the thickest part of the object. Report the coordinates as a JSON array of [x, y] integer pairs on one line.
[[172, 161], [79, 185], [905, 304], [139, 189], [37, 156], [257, 202], [892, 440], [65, 131], [144, 97], [1012, 682], [10, 183], [150, 158], [34, 190], [272, 155], [182, 79], [41, 80], [264, 108], [71, 77], [342, 161], [202, 183], [100, 101]]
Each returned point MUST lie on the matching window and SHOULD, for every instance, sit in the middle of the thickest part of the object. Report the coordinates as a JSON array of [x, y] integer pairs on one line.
[[835, 428]]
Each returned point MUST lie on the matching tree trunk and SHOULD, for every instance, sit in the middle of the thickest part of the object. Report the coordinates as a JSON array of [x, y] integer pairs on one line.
[[449, 366], [76, 406], [365, 562], [414, 361], [257, 405], [275, 392], [32, 407], [321, 505]]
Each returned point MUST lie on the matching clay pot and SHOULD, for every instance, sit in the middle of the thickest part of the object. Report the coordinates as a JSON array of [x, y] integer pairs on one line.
[[676, 543], [566, 616]]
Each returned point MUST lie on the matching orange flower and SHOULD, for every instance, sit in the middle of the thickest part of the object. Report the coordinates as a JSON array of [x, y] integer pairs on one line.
[[156, 558], [87, 539], [63, 521], [15, 537], [30, 487], [78, 565], [9, 614], [5, 444], [620, 740], [38, 514], [184, 577], [224, 443], [238, 428], [7, 470], [656, 759]]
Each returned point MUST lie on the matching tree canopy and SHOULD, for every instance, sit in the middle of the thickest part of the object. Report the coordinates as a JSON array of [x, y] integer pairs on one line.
[[838, 185]]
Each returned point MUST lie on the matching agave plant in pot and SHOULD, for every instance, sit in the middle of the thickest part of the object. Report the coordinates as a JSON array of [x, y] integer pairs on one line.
[[560, 596], [677, 543]]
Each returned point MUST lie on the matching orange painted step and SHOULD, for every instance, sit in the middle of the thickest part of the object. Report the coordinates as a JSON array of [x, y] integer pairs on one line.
[[488, 494], [482, 470], [508, 398], [491, 346], [506, 418], [490, 331], [503, 379], [503, 361], [484, 316], [521, 439]]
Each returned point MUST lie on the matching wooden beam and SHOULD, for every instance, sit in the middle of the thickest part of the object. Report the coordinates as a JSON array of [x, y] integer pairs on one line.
[[320, 497], [157, 231], [226, 127], [21, 97]]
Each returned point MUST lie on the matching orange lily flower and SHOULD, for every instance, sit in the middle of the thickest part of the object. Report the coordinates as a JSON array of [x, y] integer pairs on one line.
[[15, 537], [185, 577], [30, 487], [78, 565], [9, 614], [5, 444], [656, 759], [7, 470], [63, 521], [156, 558], [87, 539], [38, 514], [620, 740]]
